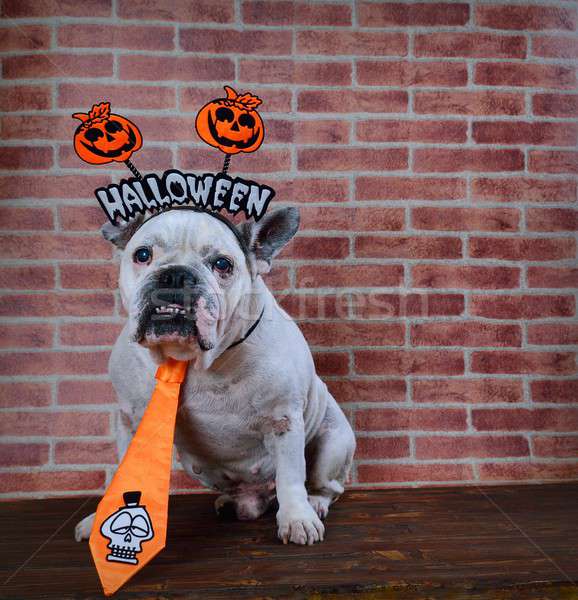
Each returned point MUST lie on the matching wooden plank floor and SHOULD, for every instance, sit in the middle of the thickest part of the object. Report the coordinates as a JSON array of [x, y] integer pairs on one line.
[[518, 542]]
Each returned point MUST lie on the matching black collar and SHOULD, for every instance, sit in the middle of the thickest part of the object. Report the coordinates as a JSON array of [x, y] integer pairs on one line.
[[251, 329]]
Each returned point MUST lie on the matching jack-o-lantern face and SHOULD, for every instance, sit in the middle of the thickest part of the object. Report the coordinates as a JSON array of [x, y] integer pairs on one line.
[[104, 137], [231, 124]]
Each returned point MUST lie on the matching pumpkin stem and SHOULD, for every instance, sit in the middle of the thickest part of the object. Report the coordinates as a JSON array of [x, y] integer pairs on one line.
[[98, 112], [247, 100]]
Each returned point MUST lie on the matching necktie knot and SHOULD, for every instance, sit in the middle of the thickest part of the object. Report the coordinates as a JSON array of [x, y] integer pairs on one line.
[[172, 371]]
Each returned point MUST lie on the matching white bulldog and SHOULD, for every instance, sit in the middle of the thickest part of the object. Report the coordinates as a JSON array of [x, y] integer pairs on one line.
[[255, 421]]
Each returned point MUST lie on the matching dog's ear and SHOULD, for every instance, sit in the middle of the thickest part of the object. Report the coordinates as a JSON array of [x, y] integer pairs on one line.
[[267, 238], [119, 235]]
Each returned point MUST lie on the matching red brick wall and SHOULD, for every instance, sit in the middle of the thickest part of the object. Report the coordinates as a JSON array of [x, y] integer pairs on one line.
[[431, 148]]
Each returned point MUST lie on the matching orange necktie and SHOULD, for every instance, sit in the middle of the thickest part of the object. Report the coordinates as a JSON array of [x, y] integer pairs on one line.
[[130, 526]]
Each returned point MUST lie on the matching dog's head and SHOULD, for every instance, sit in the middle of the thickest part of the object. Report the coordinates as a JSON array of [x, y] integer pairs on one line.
[[184, 274]]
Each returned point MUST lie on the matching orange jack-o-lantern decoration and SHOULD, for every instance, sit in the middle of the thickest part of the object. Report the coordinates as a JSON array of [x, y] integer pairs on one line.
[[231, 124], [104, 137]]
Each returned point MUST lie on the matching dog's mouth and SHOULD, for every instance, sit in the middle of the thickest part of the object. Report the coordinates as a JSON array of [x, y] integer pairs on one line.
[[184, 324]]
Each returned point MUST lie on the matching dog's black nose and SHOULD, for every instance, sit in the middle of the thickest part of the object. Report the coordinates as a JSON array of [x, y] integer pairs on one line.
[[176, 278]]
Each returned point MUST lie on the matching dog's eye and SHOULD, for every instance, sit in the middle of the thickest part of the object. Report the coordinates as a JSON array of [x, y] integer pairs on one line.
[[142, 256], [223, 265]]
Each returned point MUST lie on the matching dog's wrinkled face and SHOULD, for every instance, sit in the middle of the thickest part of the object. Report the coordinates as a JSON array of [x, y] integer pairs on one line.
[[182, 273]]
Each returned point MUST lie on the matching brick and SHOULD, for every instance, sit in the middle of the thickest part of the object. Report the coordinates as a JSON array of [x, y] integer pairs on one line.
[[382, 447], [201, 11], [57, 65], [477, 159], [277, 278], [551, 219], [352, 159], [534, 18], [312, 189], [520, 419], [379, 305], [525, 75], [85, 453], [447, 447], [85, 392], [24, 37], [56, 8], [549, 334], [555, 46], [522, 307], [295, 72], [359, 43], [326, 131], [343, 101], [525, 132], [120, 96], [25, 97], [181, 480], [463, 276], [353, 333], [132, 37], [420, 419], [465, 219], [54, 363], [470, 45], [308, 248], [358, 275], [284, 12], [191, 99], [24, 335], [331, 363], [518, 362], [368, 390], [369, 473], [379, 130], [326, 218], [80, 218], [554, 161], [465, 333], [523, 189], [51, 186], [555, 105], [555, 446], [406, 73], [563, 391], [486, 102], [52, 481], [265, 161], [180, 68], [31, 127], [408, 247], [409, 188], [53, 246], [24, 394], [15, 218], [409, 362], [315, 306], [89, 334], [228, 41], [527, 471], [89, 276], [552, 277], [27, 277], [57, 304], [22, 157], [469, 391], [59, 424], [418, 14], [23, 455], [523, 248]]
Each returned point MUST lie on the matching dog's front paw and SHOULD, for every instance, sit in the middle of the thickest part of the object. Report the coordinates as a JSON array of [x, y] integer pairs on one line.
[[84, 527], [299, 525]]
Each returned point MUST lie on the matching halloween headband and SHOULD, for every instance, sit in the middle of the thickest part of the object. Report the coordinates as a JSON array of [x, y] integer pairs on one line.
[[231, 124]]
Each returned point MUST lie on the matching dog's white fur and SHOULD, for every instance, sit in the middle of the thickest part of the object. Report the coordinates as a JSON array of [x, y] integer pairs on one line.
[[255, 420]]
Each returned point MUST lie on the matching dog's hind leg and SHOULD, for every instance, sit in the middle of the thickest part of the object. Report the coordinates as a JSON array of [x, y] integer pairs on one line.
[[329, 458]]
